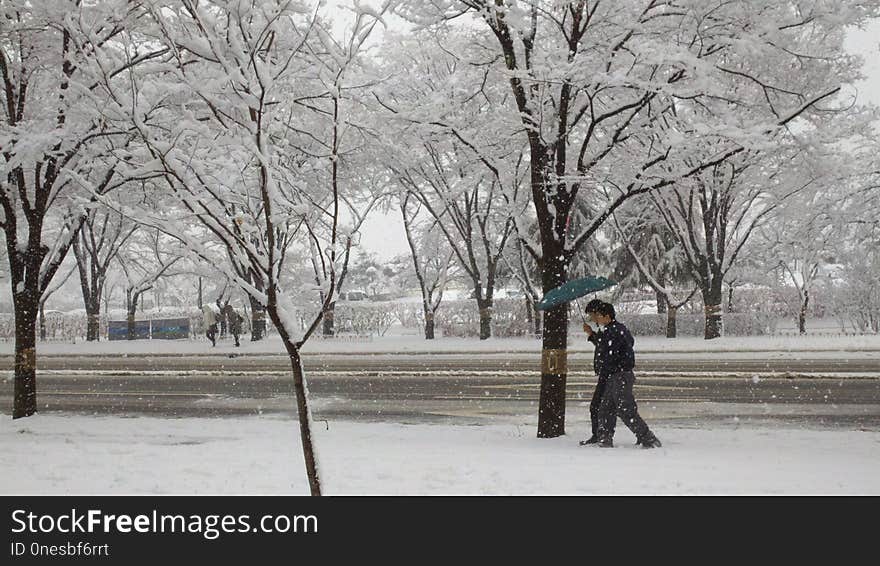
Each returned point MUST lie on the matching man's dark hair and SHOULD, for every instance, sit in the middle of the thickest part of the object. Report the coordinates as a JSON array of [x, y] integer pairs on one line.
[[600, 307]]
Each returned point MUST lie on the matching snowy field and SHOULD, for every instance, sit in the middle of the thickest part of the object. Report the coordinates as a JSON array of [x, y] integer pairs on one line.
[[828, 346], [261, 455]]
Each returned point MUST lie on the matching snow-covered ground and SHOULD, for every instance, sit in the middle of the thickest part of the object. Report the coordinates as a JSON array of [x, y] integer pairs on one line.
[[828, 346], [49, 454]]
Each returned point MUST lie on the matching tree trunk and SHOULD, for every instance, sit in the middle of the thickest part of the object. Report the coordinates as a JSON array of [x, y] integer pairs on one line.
[[132, 307], [714, 310], [43, 322], [93, 316], [730, 308], [305, 418], [92, 290], [200, 294], [661, 302], [130, 321], [25, 388], [302, 406], [221, 318], [258, 320], [485, 306], [429, 324], [536, 318], [328, 322], [802, 315], [533, 316], [671, 326], [554, 353], [93, 325]]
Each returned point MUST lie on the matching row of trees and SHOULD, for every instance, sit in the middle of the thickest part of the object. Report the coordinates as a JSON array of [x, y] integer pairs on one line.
[[697, 108], [257, 136], [800, 261]]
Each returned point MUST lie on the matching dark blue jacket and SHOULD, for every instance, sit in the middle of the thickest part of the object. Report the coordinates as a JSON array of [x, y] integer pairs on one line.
[[614, 350]]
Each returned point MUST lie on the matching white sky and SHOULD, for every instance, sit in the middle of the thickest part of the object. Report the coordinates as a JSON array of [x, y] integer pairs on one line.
[[867, 44]]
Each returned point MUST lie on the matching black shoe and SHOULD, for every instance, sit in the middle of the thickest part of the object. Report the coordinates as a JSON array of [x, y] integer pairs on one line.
[[605, 443], [589, 441], [650, 442]]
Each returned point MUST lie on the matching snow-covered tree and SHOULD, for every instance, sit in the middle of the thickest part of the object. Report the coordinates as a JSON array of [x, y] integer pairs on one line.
[[465, 201], [101, 236], [525, 270], [146, 258], [235, 120], [712, 216], [855, 285], [600, 90], [657, 259], [57, 283], [432, 258], [54, 57], [450, 152], [800, 245], [358, 207]]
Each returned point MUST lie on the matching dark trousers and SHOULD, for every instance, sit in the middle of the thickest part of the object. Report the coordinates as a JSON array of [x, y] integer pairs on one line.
[[594, 404], [618, 401], [211, 333]]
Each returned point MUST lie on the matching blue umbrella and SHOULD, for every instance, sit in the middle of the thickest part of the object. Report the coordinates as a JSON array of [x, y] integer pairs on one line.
[[572, 290]]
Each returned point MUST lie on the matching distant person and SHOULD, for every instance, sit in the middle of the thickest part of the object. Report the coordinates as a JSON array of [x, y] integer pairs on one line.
[[613, 362], [210, 324], [221, 317], [234, 322]]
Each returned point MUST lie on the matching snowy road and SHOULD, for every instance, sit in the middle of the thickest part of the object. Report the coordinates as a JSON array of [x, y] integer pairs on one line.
[[764, 363], [456, 388]]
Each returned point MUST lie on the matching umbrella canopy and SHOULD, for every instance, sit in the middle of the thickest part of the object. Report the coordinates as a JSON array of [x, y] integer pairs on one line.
[[572, 290]]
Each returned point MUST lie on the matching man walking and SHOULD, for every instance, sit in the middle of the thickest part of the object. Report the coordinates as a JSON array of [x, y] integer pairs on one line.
[[593, 337], [234, 321], [613, 362]]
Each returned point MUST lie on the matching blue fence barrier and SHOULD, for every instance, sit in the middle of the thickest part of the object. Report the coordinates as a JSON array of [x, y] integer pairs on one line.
[[170, 329], [157, 329]]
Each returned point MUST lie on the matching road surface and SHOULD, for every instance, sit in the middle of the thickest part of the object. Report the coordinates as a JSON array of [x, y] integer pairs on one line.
[[460, 388]]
